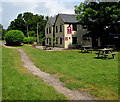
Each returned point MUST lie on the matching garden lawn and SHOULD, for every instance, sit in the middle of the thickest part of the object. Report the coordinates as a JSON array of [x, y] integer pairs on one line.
[[81, 71], [19, 84], [0, 73]]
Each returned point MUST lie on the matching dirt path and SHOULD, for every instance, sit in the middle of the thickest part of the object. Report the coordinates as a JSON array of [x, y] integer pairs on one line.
[[52, 80]]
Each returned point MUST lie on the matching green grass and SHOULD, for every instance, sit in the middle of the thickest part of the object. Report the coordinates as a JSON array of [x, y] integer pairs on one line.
[[19, 84], [0, 73], [81, 71]]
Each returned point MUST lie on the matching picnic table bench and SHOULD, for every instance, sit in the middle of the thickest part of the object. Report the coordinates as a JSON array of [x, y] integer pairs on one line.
[[105, 52]]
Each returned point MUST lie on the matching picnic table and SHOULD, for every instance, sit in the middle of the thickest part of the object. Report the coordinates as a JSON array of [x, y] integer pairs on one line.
[[86, 49], [110, 46], [105, 52], [47, 47]]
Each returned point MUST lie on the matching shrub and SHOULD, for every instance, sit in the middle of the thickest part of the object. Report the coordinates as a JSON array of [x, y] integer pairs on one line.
[[14, 37], [29, 40]]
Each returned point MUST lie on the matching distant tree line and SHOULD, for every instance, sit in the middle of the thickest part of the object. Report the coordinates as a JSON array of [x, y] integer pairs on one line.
[[28, 23]]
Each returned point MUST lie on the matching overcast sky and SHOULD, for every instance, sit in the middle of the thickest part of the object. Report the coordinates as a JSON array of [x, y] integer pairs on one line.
[[9, 9]]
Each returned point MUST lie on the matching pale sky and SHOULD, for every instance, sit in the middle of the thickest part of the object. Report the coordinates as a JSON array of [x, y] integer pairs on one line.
[[9, 9]]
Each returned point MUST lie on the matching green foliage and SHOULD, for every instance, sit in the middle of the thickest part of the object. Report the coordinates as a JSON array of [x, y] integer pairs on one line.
[[2, 32], [19, 84], [80, 71], [27, 23], [95, 16], [14, 37], [1, 27], [101, 19], [32, 34], [29, 40]]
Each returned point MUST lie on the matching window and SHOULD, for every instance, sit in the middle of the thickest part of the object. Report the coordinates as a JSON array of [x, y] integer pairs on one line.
[[74, 40], [49, 29], [49, 41], [69, 30], [60, 40], [56, 29], [56, 40], [74, 27], [60, 28]]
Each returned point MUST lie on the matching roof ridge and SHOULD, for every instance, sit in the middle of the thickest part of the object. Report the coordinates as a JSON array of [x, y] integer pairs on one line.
[[65, 14]]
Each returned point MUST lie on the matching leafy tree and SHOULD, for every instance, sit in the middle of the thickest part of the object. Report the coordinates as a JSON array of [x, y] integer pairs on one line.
[[32, 34], [2, 32], [18, 24], [27, 22], [100, 18], [1, 27], [14, 37]]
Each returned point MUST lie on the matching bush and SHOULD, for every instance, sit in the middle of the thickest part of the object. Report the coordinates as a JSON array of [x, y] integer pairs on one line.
[[29, 40], [14, 37]]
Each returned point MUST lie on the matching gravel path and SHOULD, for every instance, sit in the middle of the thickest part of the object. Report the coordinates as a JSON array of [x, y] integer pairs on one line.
[[52, 80]]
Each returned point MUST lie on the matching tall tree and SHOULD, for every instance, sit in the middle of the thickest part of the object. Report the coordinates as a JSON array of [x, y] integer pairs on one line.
[[100, 18], [27, 22], [18, 24]]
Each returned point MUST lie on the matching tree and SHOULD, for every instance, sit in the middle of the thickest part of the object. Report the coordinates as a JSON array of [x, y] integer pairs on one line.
[[2, 32], [32, 34], [27, 22], [1, 27], [100, 18], [18, 24]]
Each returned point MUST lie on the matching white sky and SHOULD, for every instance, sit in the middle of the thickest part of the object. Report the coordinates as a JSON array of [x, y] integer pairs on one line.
[[9, 9]]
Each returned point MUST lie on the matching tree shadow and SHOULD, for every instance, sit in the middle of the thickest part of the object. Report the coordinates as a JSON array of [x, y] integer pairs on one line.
[[83, 52], [13, 45], [104, 58]]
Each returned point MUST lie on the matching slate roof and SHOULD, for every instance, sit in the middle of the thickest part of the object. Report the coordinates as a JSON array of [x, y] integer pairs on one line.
[[52, 20], [69, 18]]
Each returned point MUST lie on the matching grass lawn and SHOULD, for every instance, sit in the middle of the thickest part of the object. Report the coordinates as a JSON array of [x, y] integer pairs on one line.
[[19, 84], [81, 71], [0, 73]]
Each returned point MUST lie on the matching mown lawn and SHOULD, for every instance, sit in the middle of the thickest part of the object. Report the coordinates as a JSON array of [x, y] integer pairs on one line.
[[0, 73], [19, 84], [81, 71]]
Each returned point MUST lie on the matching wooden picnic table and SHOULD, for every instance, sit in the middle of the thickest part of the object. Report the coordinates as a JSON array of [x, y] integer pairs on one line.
[[105, 52], [86, 49]]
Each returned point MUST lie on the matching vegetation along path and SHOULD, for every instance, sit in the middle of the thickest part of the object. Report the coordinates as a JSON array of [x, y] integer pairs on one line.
[[52, 80]]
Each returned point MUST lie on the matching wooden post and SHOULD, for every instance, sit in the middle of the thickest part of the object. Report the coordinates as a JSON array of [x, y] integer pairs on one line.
[[37, 34]]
